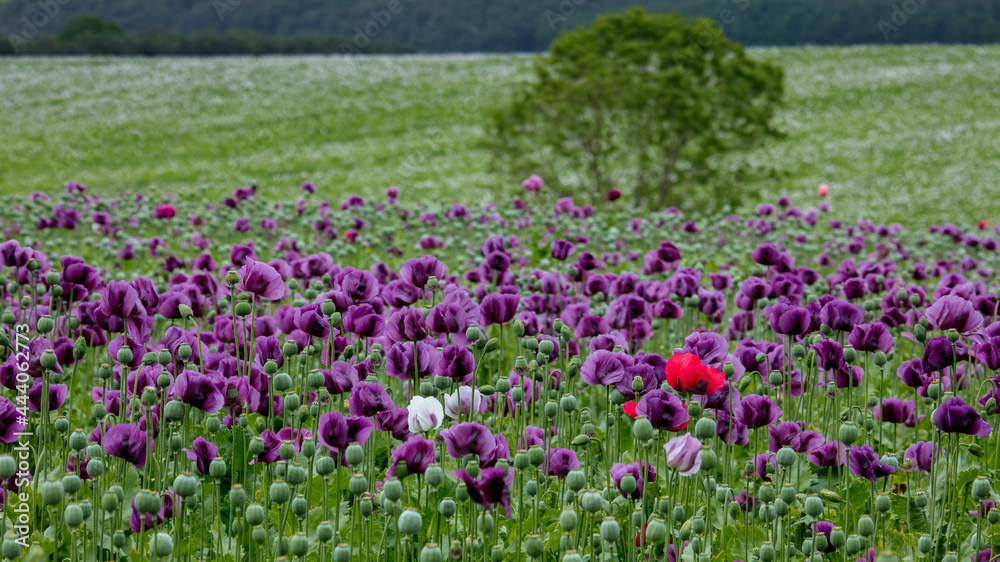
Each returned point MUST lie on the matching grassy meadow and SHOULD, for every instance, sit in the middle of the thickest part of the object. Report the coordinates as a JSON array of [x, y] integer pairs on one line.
[[897, 132]]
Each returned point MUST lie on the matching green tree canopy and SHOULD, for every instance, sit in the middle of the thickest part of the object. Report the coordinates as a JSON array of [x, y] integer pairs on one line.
[[653, 105]]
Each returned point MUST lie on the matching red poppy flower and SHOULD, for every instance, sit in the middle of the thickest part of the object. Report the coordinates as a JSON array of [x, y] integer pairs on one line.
[[614, 195], [982, 225], [685, 373], [351, 235], [629, 408]]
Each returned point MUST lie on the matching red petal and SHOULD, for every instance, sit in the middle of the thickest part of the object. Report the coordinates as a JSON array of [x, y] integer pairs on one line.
[[629, 408]]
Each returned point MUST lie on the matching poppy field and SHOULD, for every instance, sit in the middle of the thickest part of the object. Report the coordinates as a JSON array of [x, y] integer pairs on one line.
[[538, 379]]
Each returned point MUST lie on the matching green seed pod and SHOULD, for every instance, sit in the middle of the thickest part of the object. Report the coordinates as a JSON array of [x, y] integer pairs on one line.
[[698, 525], [656, 530], [709, 460], [52, 492], [950, 557], [185, 485], [410, 521], [73, 516], [292, 402], [147, 502], [981, 488], [531, 487], [993, 516], [259, 535], [434, 475], [848, 433], [431, 552], [485, 523], [780, 507], [299, 506], [161, 545], [767, 552], [324, 532], [788, 493], [850, 354], [924, 544], [212, 424], [627, 484], [820, 542], [109, 502], [281, 545], [830, 496], [679, 513], [866, 527], [299, 545], [883, 503], [766, 492], [295, 474], [279, 492], [920, 499], [785, 456], [217, 468], [767, 513], [71, 483], [853, 545], [814, 506], [536, 456], [492, 345], [447, 507], [118, 539], [237, 495], [61, 425], [358, 485], [255, 514], [10, 549], [610, 530], [592, 501], [324, 465], [837, 537], [534, 546], [286, 450], [8, 467], [722, 495], [392, 489]]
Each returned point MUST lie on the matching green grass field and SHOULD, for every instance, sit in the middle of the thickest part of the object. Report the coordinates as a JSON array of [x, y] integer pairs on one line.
[[899, 133]]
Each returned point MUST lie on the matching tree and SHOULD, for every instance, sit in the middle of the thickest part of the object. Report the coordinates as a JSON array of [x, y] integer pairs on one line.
[[91, 26], [649, 104]]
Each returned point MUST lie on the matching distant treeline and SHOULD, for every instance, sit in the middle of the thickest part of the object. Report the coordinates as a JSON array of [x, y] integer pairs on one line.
[[480, 25], [89, 35]]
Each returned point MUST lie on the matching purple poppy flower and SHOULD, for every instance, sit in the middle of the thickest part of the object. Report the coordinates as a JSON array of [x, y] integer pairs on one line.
[[988, 353], [360, 286], [448, 318], [57, 396], [952, 312], [766, 254], [126, 441], [642, 472], [416, 271], [406, 325], [467, 438], [457, 363], [603, 368], [841, 315], [829, 355], [562, 249], [790, 434], [368, 399], [262, 280], [203, 453], [395, 421], [498, 308], [832, 453], [953, 416], [416, 452], [787, 319], [12, 421], [561, 461], [664, 410], [120, 308], [364, 322], [399, 361], [922, 454], [200, 391], [684, 454], [730, 430], [939, 354], [894, 410], [311, 320], [863, 462], [758, 411], [340, 378], [871, 338]]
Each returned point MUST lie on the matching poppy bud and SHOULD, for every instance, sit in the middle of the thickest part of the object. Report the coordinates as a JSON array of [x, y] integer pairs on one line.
[[798, 351], [492, 345]]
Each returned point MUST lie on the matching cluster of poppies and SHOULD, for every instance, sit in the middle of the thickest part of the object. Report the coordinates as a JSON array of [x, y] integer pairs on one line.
[[537, 380]]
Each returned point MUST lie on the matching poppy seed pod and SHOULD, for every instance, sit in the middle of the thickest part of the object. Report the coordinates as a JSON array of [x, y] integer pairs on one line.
[[924, 544], [259, 535], [981, 488], [45, 324], [866, 527], [848, 433], [324, 532], [217, 468], [780, 507], [485, 523], [814, 506], [147, 502], [52, 492], [853, 545], [299, 506], [610, 530], [73, 516], [642, 428], [592, 501], [534, 546], [95, 467], [410, 521], [434, 475], [993, 516], [109, 502], [161, 545], [279, 492], [576, 480], [295, 474]]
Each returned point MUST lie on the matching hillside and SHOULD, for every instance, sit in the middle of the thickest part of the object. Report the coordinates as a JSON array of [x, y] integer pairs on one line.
[[521, 25]]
